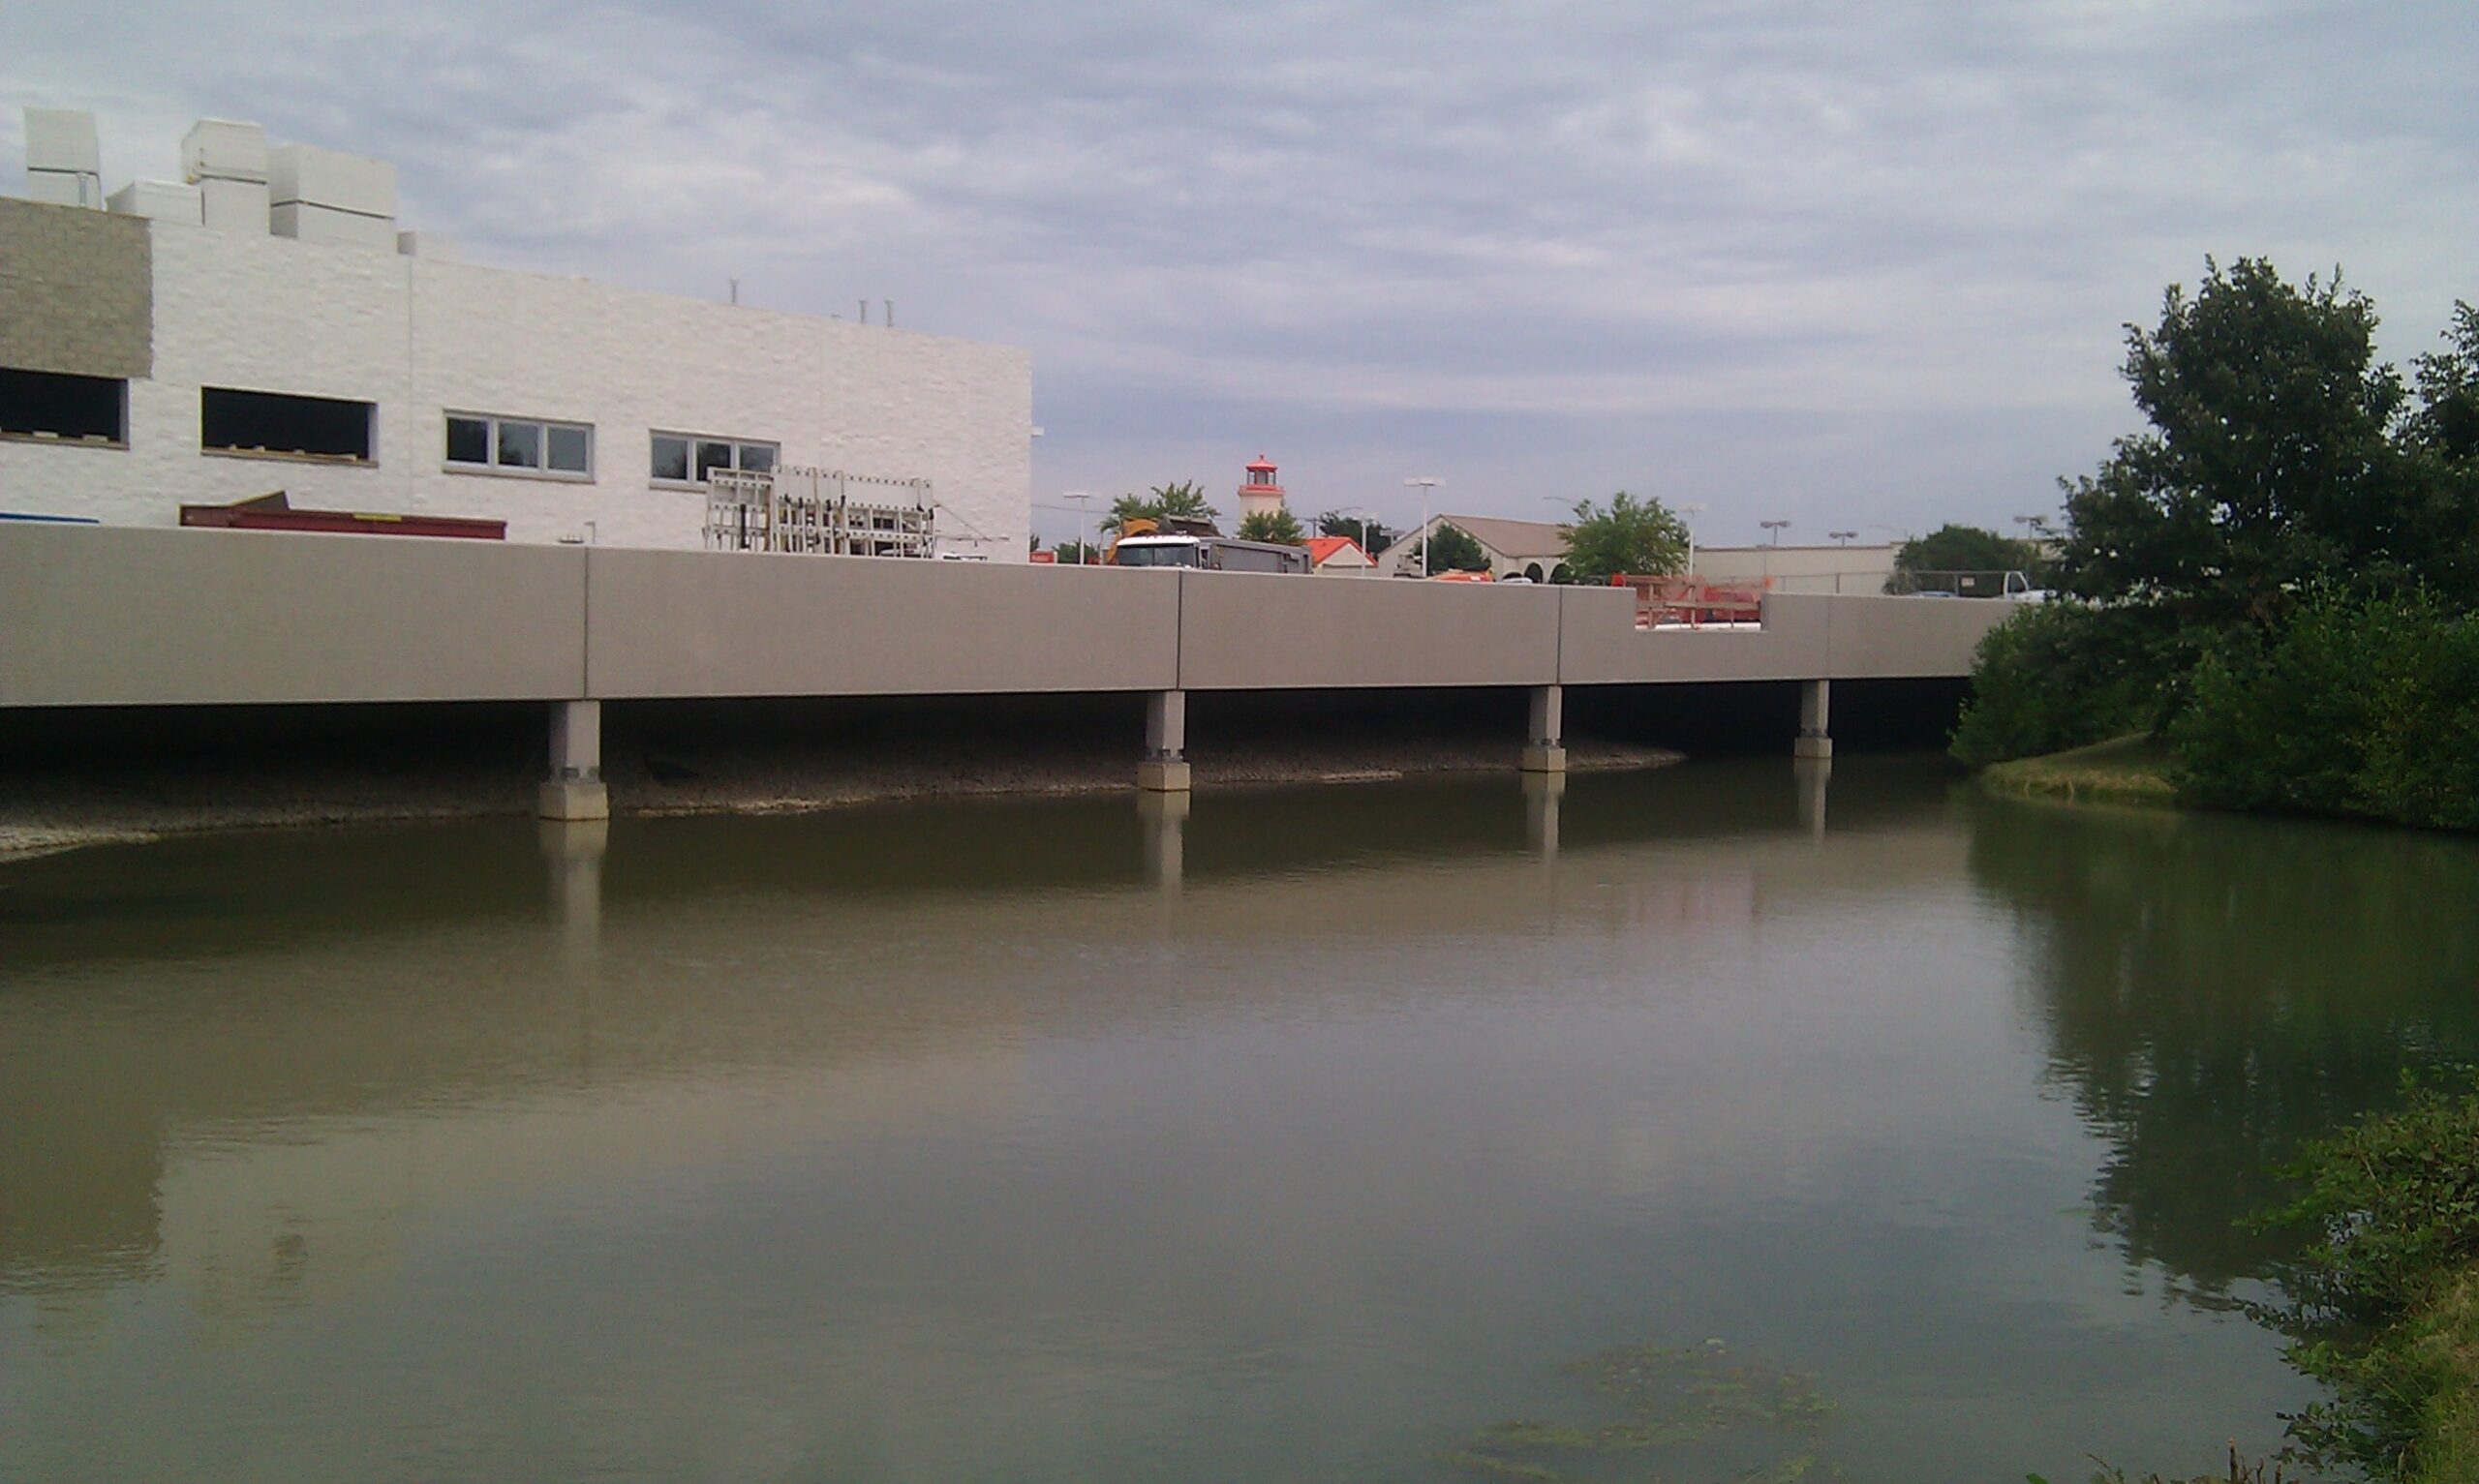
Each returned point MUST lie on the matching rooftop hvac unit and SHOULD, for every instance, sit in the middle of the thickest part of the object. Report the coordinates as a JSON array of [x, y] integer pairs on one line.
[[227, 162], [63, 159], [818, 512], [223, 149], [159, 200], [326, 196]]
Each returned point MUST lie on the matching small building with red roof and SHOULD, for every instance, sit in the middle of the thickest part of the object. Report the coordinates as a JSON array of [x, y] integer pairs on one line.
[[1339, 556]]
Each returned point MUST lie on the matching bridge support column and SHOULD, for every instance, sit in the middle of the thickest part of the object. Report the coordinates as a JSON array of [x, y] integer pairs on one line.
[[1815, 740], [574, 790], [1545, 748], [1165, 768]]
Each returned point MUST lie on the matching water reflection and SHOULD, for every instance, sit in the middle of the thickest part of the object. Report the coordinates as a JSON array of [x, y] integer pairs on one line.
[[1814, 776], [2217, 990], [1283, 1132], [1543, 794], [1165, 820]]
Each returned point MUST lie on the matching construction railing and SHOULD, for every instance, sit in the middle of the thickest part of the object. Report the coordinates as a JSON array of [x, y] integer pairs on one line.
[[1692, 602]]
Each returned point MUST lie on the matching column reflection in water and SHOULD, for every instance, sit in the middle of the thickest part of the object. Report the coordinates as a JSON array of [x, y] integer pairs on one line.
[[1542, 795], [1165, 820], [1814, 774], [573, 851]]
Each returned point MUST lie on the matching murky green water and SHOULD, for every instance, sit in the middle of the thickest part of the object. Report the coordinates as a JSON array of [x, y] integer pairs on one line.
[[1316, 1134]]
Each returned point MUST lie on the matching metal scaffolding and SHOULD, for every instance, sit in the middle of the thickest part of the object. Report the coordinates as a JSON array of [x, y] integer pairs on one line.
[[818, 512]]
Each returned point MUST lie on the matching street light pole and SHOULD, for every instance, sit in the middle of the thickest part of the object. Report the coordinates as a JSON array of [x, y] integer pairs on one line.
[[1084, 500], [1775, 527], [1426, 484], [1692, 508]]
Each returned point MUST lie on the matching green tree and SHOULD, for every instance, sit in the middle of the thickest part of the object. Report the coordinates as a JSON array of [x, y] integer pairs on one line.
[[1184, 499], [2444, 437], [1453, 549], [1640, 537], [1078, 553], [1951, 547], [2268, 463], [1372, 536], [1276, 525]]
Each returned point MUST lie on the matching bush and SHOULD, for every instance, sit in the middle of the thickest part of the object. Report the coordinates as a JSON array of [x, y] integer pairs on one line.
[[2062, 675], [2352, 706], [2392, 1207]]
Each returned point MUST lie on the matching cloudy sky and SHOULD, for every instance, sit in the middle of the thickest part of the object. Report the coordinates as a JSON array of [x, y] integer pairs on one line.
[[1860, 266]]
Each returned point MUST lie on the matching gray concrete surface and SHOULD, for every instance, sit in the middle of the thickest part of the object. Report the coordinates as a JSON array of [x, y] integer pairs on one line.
[[125, 616], [118, 616]]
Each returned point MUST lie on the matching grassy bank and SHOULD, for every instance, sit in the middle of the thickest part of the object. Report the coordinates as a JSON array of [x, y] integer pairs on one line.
[[2129, 770], [2443, 1342]]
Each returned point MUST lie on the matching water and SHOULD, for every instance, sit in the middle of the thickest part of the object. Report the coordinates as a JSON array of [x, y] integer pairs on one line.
[[1307, 1135]]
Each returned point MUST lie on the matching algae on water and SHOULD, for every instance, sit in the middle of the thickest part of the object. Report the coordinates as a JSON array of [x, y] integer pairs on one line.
[[1702, 1413]]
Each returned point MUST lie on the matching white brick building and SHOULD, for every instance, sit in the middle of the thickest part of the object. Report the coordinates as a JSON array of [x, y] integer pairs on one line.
[[396, 379]]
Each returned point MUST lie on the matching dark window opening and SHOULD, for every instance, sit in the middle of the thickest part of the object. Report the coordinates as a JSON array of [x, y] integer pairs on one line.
[[469, 441], [271, 422], [41, 403]]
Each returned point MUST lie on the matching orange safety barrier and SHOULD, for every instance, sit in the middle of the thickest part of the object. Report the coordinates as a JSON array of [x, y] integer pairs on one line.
[[1693, 602]]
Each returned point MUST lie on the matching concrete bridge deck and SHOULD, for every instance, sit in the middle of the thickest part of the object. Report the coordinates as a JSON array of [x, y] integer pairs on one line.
[[112, 615]]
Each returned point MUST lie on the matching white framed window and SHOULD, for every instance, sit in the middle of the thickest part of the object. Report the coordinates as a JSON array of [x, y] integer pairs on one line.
[[529, 447], [683, 460]]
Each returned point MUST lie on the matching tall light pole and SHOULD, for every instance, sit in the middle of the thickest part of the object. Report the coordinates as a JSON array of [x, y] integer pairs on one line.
[[1361, 512], [1692, 508], [1084, 500], [1841, 537], [1775, 527], [1426, 484]]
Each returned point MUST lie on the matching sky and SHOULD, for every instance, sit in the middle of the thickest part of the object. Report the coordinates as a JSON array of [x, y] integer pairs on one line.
[[1857, 266]]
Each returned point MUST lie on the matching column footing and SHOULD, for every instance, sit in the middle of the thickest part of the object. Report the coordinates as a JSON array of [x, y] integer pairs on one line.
[[571, 799], [1162, 775], [1545, 757]]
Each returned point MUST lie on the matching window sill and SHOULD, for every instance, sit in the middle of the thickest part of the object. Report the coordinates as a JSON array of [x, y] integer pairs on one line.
[[498, 471], [291, 456], [63, 440]]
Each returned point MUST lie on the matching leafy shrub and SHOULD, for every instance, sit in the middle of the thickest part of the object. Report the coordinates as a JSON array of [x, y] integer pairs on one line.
[[2392, 1205], [2062, 675], [2352, 706]]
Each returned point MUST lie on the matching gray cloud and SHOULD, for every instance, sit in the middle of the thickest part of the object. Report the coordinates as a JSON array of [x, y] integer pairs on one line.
[[1855, 266]]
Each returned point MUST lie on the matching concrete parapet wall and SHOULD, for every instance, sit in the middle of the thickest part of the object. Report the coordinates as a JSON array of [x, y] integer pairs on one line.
[[121, 616], [1600, 644], [1904, 638], [102, 617], [1242, 631], [695, 624]]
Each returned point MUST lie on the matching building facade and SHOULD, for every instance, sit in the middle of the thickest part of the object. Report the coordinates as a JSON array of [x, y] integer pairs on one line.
[[149, 360], [1533, 550], [1851, 569]]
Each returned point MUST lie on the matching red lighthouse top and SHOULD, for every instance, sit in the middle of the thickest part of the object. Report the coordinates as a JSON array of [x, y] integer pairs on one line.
[[1260, 477]]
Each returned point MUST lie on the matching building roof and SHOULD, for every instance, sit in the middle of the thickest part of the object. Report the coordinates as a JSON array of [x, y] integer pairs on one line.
[[1512, 538], [1324, 549]]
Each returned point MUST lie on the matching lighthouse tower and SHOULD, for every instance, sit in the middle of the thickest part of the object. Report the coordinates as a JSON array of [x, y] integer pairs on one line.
[[1259, 496]]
